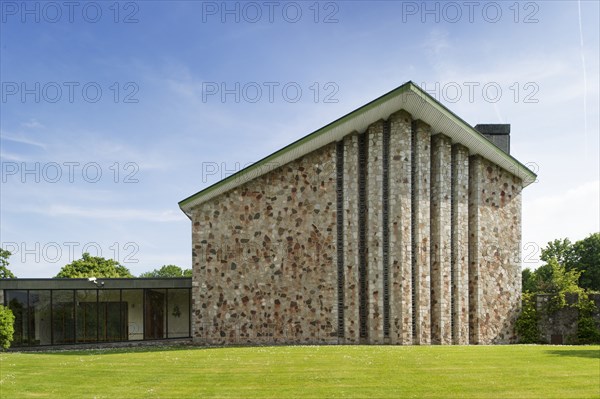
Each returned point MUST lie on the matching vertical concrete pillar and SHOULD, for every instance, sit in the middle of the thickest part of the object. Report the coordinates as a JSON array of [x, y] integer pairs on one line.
[[421, 226], [460, 244], [375, 231], [400, 249], [441, 179], [351, 286]]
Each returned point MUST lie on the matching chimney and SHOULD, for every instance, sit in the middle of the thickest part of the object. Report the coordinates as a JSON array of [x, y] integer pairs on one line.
[[499, 134]]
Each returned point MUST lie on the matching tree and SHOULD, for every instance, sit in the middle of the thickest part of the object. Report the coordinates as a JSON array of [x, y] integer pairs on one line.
[[582, 256], [4, 270], [570, 273], [93, 266], [585, 257], [563, 282], [561, 250], [7, 328], [528, 281], [168, 271]]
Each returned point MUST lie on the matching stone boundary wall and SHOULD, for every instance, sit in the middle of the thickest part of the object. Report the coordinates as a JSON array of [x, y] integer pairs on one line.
[[561, 326]]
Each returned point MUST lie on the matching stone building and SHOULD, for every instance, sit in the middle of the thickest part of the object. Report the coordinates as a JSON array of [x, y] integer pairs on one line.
[[398, 223]]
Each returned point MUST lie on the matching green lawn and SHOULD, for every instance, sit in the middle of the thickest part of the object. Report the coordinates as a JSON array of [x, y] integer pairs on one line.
[[306, 371]]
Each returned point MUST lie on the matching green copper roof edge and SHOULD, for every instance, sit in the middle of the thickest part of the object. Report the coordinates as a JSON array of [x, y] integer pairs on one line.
[[395, 92], [385, 97], [480, 137]]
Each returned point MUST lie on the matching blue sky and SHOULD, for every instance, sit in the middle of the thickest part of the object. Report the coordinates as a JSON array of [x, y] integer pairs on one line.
[[111, 113]]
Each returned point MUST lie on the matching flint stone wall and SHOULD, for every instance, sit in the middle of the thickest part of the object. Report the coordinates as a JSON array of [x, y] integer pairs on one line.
[[429, 242], [264, 258]]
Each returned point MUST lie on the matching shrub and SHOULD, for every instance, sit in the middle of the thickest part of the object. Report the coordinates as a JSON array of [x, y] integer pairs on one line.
[[527, 323], [587, 332], [7, 329]]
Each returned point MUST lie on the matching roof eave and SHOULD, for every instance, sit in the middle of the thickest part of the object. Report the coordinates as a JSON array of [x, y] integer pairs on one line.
[[422, 106]]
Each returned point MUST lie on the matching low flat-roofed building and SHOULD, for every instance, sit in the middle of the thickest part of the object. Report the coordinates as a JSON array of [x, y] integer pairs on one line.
[[84, 311]]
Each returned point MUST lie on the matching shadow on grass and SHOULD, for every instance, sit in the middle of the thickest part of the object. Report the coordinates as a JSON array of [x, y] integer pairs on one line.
[[65, 351], [587, 353]]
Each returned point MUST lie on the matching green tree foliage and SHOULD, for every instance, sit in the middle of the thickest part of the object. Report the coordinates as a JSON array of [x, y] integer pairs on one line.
[[527, 323], [586, 258], [168, 271], [528, 280], [4, 270], [7, 329], [561, 283], [583, 256], [561, 250], [566, 271], [93, 266]]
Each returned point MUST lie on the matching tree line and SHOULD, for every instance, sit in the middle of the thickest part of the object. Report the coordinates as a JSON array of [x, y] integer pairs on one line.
[[96, 266], [581, 258], [572, 270]]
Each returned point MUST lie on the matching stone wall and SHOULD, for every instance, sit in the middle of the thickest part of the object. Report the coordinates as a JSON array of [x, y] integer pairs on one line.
[[494, 252], [393, 235], [560, 327], [441, 237], [421, 163], [263, 257], [350, 233], [400, 245], [374, 231], [460, 244]]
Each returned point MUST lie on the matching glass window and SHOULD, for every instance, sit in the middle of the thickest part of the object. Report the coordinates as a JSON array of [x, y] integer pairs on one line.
[[63, 317], [154, 314], [112, 319], [178, 313], [17, 302], [133, 310], [39, 317], [87, 315]]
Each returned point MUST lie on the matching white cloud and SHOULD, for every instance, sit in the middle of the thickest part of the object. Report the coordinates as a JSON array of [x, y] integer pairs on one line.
[[108, 213], [21, 138], [573, 213], [32, 124]]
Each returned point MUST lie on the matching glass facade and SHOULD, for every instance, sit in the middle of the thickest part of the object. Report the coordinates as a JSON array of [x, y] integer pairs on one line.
[[178, 313], [78, 316]]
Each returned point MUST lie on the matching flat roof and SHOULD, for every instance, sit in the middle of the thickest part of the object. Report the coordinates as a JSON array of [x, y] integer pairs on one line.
[[85, 284], [409, 97]]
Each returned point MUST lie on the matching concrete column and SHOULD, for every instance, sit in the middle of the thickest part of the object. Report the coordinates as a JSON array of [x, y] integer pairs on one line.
[[460, 244], [421, 227], [375, 231], [400, 229], [441, 320], [351, 287]]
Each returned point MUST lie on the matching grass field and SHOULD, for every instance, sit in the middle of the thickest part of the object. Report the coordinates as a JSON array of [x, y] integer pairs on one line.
[[306, 371]]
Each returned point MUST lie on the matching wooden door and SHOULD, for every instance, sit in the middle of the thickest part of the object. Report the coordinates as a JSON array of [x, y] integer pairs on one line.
[[155, 312]]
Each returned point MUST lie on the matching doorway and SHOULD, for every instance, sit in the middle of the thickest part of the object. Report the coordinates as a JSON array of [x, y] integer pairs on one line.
[[154, 315]]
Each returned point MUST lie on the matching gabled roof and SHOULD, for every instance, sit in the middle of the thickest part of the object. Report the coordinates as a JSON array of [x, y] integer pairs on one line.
[[409, 97]]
